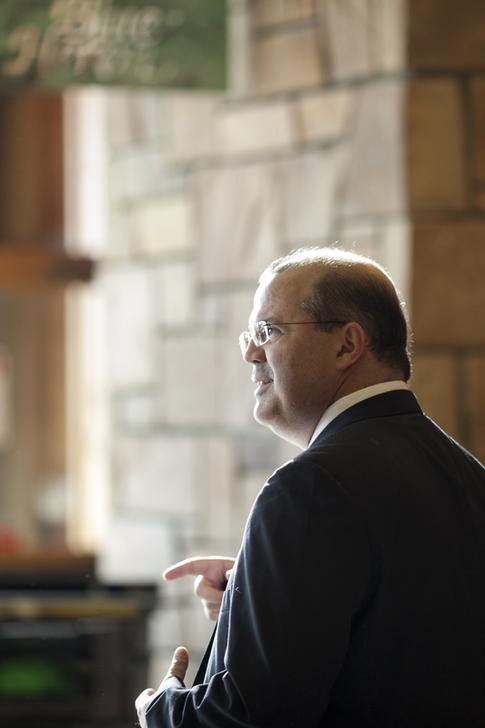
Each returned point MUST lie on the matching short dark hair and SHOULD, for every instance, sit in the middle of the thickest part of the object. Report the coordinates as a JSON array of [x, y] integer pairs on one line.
[[352, 287]]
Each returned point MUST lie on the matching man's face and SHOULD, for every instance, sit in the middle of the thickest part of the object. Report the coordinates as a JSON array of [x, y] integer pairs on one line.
[[294, 372]]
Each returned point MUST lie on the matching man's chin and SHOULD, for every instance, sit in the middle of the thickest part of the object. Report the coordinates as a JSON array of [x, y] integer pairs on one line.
[[261, 415]]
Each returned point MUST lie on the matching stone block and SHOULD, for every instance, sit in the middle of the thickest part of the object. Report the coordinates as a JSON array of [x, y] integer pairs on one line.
[[387, 35], [311, 187], [325, 115], [268, 12], [132, 116], [156, 474], [435, 383], [448, 294], [363, 37], [135, 550], [135, 410], [121, 232], [375, 176], [479, 198], [436, 146], [163, 224], [118, 120], [239, 218], [345, 25], [478, 125], [190, 125], [173, 294], [215, 473], [134, 173], [444, 35], [287, 60], [129, 326], [260, 127], [189, 374], [475, 372]]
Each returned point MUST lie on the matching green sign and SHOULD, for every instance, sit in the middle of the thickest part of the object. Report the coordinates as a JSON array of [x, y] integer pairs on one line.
[[158, 43]]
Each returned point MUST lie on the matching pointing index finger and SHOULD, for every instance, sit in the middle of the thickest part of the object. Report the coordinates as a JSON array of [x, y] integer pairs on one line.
[[188, 567]]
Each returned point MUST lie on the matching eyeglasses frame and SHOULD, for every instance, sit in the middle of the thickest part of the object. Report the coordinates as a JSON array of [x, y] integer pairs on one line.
[[246, 336]]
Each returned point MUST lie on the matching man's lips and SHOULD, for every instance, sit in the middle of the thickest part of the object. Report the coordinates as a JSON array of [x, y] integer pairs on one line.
[[261, 383]]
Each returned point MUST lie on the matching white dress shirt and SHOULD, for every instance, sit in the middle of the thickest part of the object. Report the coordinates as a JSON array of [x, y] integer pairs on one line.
[[340, 405]]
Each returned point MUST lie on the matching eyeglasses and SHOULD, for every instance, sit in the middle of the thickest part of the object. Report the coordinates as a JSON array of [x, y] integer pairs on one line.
[[262, 331]]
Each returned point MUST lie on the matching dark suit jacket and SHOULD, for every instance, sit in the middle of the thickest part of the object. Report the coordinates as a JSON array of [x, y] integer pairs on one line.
[[358, 595]]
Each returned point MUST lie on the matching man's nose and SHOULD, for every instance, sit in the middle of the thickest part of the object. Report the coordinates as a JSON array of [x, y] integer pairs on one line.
[[254, 353]]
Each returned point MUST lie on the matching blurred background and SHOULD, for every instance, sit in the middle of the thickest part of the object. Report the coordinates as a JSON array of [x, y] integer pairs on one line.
[[154, 157]]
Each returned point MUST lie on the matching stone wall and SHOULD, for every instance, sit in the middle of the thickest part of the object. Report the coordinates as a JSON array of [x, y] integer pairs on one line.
[[320, 138], [446, 181]]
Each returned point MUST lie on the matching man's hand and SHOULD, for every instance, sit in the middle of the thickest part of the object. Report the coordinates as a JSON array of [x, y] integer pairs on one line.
[[178, 668], [212, 573]]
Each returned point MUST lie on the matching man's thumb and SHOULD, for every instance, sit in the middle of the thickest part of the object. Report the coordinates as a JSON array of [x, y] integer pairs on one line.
[[180, 663]]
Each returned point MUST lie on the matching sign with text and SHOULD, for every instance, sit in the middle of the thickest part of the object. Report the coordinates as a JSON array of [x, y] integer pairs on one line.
[[50, 44]]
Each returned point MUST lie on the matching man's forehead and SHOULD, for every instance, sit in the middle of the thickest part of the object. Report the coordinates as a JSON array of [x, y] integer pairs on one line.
[[279, 296]]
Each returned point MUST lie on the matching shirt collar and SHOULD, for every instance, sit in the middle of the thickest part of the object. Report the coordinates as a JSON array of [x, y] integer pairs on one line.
[[340, 405]]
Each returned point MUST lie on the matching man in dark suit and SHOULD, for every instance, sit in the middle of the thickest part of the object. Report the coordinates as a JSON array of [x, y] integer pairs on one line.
[[358, 594]]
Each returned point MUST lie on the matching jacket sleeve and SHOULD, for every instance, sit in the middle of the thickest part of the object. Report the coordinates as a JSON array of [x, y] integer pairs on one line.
[[303, 572]]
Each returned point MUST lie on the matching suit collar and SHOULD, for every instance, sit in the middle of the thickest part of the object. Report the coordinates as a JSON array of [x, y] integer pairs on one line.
[[400, 402]]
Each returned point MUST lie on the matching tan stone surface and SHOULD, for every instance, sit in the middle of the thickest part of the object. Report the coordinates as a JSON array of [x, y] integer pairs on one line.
[[475, 370], [189, 130], [375, 182], [156, 474], [345, 26], [287, 60], [310, 187], [434, 382], [249, 128], [446, 34], [266, 12], [128, 326], [132, 115], [325, 115], [173, 301], [477, 86], [239, 217], [163, 224], [436, 148], [448, 291], [134, 173], [387, 34], [189, 380], [215, 471], [363, 37], [479, 199]]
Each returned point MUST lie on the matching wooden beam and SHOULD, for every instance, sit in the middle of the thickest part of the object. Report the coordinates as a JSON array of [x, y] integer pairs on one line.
[[32, 267]]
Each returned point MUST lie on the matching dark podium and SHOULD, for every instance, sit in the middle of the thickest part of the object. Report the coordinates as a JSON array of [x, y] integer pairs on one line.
[[73, 651]]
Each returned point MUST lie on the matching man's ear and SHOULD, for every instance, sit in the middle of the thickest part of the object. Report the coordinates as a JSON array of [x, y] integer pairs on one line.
[[353, 343]]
